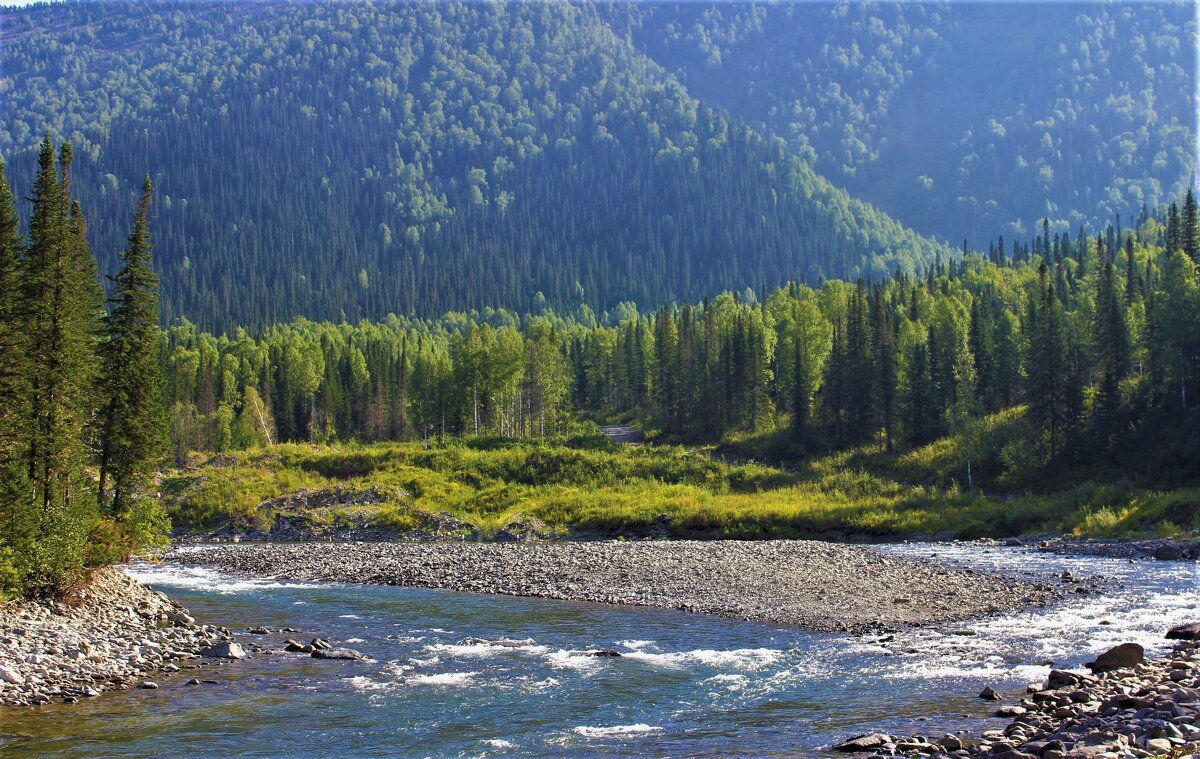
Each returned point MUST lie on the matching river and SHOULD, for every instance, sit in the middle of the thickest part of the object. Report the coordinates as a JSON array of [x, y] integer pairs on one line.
[[458, 674]]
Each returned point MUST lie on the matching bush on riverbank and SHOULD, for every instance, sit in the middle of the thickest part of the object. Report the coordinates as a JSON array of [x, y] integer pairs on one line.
[[615, 490]]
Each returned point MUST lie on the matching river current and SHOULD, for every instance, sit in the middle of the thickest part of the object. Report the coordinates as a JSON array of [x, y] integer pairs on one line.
[[466, 675]]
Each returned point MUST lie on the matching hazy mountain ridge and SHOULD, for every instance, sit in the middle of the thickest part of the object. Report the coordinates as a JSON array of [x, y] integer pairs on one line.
[[350, 159], [960, 119]]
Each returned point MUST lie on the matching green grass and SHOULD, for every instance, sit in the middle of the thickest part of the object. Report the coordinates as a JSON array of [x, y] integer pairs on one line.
[[593, 486]]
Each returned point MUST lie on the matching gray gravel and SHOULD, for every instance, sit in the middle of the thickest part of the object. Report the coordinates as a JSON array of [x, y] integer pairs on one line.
[[109, 636], [815, 585]]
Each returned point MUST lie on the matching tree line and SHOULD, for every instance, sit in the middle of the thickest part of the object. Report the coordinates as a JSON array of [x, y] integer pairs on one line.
[[1094, 342], [81, 416]]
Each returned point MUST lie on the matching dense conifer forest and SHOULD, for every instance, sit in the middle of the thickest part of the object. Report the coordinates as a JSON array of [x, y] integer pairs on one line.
[[355, 160], [960, 119], [1064, 354]]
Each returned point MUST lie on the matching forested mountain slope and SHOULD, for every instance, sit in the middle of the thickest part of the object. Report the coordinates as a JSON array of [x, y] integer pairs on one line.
[[347, 160], [960, 119]]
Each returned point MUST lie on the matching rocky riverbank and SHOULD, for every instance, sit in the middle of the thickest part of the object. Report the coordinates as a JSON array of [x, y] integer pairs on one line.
[[1128, 707], [1182, 548], [819, 586], [110, 635]]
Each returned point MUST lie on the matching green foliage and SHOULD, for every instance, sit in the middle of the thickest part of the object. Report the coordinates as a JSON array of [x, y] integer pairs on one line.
[[465, 154], [960, 119], [635, 491], [982, 374], [54, 404]]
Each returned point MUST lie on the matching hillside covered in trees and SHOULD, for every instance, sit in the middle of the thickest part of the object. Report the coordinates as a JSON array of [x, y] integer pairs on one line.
[[1084, 358], [353, 160], [959, 119]]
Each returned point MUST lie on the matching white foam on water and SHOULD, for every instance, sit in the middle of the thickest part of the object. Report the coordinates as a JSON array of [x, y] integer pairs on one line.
[[541, 685], [366, 684], [430, 662], [1138, 604], [565, 659], [727, 682], [498, 743], [349, 616], [616, 731], [739, 658], [484, 648], [636, 645], [355, 640], [443, 678], [201, 579]]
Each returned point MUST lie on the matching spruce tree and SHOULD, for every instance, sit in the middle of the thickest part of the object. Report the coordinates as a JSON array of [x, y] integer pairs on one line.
[[16, 513], [1189, 224], [133, 422], [1112, 349], [1045, 367], [60, 318], [13, 389], [1130, 272]]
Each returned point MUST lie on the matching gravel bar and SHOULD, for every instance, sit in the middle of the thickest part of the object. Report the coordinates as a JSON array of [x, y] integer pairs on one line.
[[110, 635], [814, 585]]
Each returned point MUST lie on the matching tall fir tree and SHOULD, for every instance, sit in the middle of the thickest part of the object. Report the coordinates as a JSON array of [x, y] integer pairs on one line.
[[1112, 352], [1045, 368], [16, 512], [1189, 223], [60, 318], [133, 420]]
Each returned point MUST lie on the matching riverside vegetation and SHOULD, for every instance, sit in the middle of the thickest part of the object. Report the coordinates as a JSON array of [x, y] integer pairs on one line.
[[1042, 389], [1042, 386], [81, 421]]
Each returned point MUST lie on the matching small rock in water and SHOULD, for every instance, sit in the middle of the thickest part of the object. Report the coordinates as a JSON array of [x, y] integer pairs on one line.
[[258, 630], [225, 650], [1184, 632], [292, 645], [598, 652], [149, 685], [193, 681], [1013, 542], [337, 653], [1168, 553], [863, 743], [989, 694], [320, 643]]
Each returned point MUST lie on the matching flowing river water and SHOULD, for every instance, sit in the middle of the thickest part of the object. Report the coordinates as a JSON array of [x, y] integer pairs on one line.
[[459, 674]]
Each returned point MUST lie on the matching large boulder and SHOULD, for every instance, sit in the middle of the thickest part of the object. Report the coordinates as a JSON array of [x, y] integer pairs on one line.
[[1060, 678], [1118, 657], [1184, 632], [863, 743], [225, 650]]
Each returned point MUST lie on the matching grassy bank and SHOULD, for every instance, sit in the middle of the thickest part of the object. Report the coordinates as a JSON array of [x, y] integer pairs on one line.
[[589, 485]]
